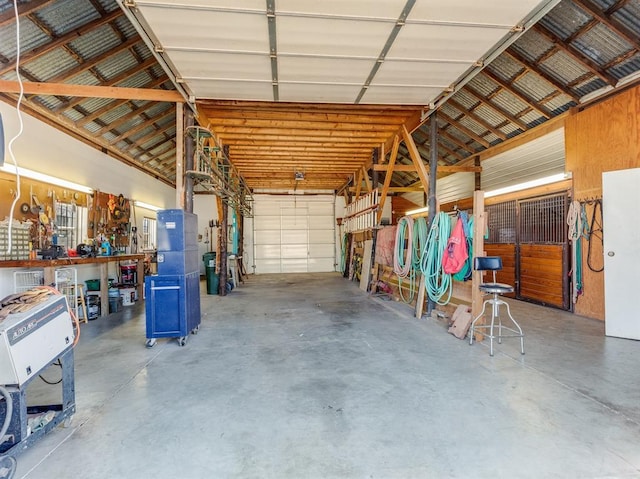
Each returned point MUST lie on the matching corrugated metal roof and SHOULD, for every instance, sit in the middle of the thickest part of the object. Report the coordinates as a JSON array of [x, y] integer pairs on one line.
[[96, 42], [601, 45], [62, 17], [31, 37], [565, 19], [49, 65]]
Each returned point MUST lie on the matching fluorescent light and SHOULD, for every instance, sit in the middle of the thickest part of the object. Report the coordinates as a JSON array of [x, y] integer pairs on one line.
[[35, 175], [147, 206], [417, 211], [528, 184]]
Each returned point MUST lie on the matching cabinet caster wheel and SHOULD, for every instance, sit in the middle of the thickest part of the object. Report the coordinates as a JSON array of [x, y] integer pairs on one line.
[[150, 343], [182, 341], [8, 466], [195, 330], [67, 422]]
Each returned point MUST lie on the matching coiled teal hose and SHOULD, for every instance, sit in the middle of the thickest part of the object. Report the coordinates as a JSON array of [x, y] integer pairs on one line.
[[437, 283]]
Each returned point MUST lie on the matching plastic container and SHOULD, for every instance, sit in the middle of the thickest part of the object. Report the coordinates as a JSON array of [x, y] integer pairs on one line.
[[128, 274], [93, 284], [213, 280], [128, 296]]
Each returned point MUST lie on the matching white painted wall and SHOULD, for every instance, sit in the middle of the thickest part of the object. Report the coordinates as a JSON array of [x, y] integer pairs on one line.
[[204, 206], [47, 150]]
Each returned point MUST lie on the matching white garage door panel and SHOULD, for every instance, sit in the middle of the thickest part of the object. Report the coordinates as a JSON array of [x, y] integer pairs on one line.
[[265, 208], [295, 223], [294, 234], [267, 251], [268, 265], [320, 265], [320, 209], [294, 251], [268, 237], [321, 236], [321, 251], [266, 222], [294, 237], [294, 266], [320, 222]]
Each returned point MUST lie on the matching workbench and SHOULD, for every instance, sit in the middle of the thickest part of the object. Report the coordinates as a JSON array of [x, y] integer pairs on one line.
[[49, 266]]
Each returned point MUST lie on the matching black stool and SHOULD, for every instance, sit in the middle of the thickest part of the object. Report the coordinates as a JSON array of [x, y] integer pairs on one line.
[[494, 263]]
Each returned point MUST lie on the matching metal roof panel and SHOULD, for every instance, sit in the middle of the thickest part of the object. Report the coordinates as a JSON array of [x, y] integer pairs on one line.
[[31, 37], [63, 16]]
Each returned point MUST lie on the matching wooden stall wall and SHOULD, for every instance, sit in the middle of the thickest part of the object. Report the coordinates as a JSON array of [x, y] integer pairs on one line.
[[602, 137]]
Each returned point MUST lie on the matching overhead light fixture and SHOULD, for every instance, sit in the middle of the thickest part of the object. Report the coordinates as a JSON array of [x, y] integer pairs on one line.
[[146, 206], [36, 175], [298, 176], [547, 180], [417, 211]]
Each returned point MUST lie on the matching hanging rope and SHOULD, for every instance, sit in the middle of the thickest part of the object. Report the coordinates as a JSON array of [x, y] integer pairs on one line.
[[437, 283], [402, 257], [574, 222], [595, 230]]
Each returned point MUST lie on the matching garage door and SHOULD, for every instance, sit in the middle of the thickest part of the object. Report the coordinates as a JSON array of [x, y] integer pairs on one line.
[[294, 234]]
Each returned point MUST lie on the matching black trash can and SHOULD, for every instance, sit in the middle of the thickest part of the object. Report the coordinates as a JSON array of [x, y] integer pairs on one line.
[[213, 280]]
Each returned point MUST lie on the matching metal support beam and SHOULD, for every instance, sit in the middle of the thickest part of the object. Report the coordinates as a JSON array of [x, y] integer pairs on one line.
[[188, 165], [433, 167], [180, 153]]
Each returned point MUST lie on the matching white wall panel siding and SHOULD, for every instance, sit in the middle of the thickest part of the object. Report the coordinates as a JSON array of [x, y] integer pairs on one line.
[[294, 234], [544, 156], [456, 186]]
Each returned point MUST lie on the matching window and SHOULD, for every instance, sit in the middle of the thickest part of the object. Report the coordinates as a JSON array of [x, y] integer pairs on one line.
[[70, 224], [148, 233]]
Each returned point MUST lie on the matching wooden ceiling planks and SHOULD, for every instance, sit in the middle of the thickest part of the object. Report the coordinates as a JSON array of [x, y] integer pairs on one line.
[[328, 143]]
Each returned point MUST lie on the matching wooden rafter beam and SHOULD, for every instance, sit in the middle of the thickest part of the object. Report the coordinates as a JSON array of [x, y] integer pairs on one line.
[[393, 155], [89, 63], [251, 132], [576, 54], [456, 141], [614, 25], [114, 104], [142, 126], [443, 168], [293, 136], [113, 126], [479, 120], [471, 134], [513, 119], [8, 16], [63, 40], [541, 73], [223, 124], [90, 91], [617, 6], [544, 111], [367, 180], [148, 63], [298, 143], [423, 174]]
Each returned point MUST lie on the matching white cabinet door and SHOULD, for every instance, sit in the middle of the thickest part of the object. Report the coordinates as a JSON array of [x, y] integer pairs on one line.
[[621, 231]]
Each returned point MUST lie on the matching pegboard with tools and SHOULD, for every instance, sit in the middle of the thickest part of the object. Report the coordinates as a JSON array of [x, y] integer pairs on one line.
[[109, 218]]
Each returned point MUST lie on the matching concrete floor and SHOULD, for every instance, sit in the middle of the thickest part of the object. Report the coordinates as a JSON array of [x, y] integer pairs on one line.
[[305, 376]]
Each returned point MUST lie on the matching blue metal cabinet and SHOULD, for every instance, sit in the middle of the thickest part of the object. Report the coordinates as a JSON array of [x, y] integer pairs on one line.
[[172, 306], [177, 237]]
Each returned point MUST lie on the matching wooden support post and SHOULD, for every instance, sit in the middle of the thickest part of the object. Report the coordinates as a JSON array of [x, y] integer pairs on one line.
[[422, 291], [415, 155], [388, 175], [479, 226]]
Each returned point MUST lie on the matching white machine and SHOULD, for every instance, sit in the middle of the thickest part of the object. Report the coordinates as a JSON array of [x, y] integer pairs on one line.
[[31, 341]]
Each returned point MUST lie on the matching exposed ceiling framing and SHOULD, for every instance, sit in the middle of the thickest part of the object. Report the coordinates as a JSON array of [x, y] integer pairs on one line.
[[578, 49]]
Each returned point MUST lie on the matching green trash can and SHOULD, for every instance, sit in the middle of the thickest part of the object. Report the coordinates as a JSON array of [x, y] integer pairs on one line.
[[213, 280]]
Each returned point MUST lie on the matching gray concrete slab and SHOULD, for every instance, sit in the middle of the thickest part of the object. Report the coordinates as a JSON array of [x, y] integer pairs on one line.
[[305, 376]]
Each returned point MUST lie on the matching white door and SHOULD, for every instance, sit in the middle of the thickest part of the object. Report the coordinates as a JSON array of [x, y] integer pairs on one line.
[[621, 232], [294, 234]]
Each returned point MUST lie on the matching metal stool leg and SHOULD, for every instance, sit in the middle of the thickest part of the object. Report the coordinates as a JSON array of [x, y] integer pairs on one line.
[[517, 326], [473, 323]]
